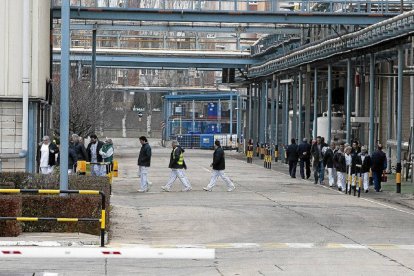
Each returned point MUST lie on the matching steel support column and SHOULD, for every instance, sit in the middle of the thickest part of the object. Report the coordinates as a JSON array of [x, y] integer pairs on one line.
[[389, 112], [238, 124], [231, 115], [265, 105], [371, 102], [261, 112], [286, 116], [300, 118], [294, 129], [399, 115], [64, 94], [272, 112], [329, 138], [31, 153], [307, 102], [315, 104], [249, 94], [277, 99], [193, 117], [348, 101]]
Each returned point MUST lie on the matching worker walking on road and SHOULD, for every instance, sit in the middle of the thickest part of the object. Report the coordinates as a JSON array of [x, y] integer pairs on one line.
[[218, 169], [177, 164], [144, 162]]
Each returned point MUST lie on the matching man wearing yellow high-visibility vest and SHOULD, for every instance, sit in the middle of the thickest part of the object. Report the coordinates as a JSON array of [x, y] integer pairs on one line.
[[177, 164]]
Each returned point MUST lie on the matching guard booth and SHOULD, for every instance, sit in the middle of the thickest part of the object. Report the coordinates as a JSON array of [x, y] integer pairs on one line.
[[197, 120]]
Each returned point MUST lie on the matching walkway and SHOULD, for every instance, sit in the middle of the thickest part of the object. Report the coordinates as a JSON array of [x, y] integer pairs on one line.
[[270, 224]]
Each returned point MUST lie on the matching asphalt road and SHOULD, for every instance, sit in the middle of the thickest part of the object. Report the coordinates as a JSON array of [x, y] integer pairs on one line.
[[270, 225]]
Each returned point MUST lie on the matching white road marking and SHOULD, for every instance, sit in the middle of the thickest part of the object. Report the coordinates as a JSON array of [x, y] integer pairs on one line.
[[276, 245], [109, 252]]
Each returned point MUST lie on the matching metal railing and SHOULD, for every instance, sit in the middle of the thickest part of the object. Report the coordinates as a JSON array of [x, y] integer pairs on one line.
[[45, 191]]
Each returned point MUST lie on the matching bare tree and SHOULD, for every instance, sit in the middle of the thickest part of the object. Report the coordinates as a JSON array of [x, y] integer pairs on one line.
[[85, 115]]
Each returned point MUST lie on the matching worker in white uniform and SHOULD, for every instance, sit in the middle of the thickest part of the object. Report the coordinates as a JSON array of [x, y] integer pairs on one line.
[[47, 155], [177, 164], [218, 166]]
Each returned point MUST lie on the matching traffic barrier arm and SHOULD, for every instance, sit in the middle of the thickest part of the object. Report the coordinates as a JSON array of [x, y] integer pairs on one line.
[[102, 220]]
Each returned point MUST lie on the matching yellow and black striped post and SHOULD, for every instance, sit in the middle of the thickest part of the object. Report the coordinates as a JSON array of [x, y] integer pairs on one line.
[[115, 168], [276, 153], [398, 178], [102, 220], [262, 151]]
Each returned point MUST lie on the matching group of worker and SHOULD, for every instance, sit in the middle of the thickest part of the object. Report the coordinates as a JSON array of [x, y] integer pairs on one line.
[[177, 165], [345, 163], [96, 152]]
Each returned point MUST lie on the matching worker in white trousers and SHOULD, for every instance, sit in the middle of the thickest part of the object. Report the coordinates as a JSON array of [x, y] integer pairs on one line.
[[177, 164], [218, 166], [364, 160], [144, 162]]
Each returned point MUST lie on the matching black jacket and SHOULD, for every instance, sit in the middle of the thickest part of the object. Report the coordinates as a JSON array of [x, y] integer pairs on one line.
[[379, 161], [292, 152], [218, 159], [316, 152], [144, 158], [304, 151], [72, 158], [175, 157], [328, 158], [53, 150], [366, 164], [98, 148], [354, 155], [340, 162], [80, 151]]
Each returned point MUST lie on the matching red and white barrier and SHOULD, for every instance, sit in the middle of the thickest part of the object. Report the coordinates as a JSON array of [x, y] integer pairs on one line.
[[93, 253]]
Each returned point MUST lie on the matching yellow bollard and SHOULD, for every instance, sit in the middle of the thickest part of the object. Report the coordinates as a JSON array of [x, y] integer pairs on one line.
[[81, 167], [115, 169]]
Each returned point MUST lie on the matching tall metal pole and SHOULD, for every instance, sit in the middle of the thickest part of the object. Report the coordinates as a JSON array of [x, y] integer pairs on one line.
[[300, 135], [277, 90], [329, 138], [266, 125], [389, 112], [307, 101], [315, 103], [193, 117], [348, 100], [231, 115], [238, 115], [371, 102], [272, 112], [286, 117], [64, 94], [93, 64], [261, 112], [294, 129], [249, 93], [399, 115]]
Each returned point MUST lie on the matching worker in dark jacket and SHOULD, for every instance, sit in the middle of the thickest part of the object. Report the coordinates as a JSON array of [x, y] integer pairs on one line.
[[93, 156], [218, 166], [304, 153], [328, 161], [177, 164], [378, 165], [364, 161], [79, 148], [144, 162], [340, 166], [292, 156]]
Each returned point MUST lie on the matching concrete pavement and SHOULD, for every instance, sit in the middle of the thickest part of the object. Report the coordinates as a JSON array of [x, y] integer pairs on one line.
[[271, 224]]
